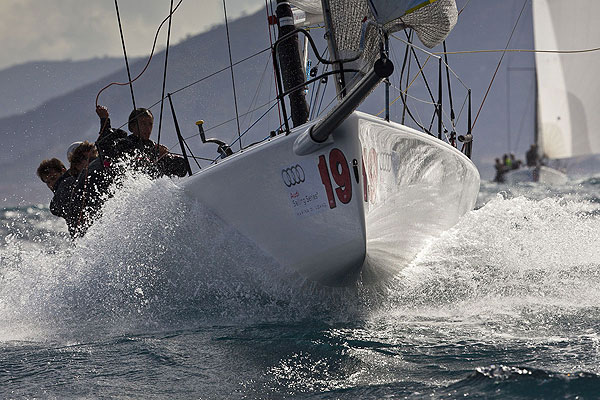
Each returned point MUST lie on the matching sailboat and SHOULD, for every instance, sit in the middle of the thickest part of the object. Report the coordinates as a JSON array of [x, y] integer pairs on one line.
[[568, 87], [331, 198], [347, 196]]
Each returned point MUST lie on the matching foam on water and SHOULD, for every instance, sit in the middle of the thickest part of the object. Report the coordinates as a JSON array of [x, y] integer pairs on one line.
[[511, 254], [505, 300], [156, 259]]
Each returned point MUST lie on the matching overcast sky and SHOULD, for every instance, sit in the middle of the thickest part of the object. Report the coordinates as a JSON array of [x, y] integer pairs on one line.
[[81, 29]]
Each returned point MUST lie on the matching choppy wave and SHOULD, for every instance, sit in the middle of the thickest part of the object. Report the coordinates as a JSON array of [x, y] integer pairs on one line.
[[502, 382], [515, 283], [154, 259]]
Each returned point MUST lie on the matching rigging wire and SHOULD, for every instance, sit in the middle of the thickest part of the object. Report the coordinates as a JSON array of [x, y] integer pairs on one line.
[[232, 74], [165, 73], [226, 122], [465, 6], [405, 92], [405, 105], [435, 55], [147, 63], [255, 122], [257, 92], [217, 72], [412, 49], [271, 42], [529, 103], [207, 77], [315, 93], [498, 66], [124, 54], [247, 130]]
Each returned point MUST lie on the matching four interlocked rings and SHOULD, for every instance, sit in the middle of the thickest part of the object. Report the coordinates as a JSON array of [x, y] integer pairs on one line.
[[293, 175]]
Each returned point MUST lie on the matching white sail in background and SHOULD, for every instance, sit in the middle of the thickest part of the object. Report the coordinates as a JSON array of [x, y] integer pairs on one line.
[[568, 84]]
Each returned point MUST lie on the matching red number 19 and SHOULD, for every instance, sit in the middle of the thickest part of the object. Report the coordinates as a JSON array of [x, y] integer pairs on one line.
[[341, 175]]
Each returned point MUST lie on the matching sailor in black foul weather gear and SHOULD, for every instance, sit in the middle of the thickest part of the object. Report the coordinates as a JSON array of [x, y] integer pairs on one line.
[[62, 204], [62, 183], [144, 154]]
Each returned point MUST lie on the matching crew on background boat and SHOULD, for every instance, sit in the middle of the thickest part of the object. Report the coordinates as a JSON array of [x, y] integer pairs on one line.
[[500, 169], [508, 163], [514, 163], [531, 157]]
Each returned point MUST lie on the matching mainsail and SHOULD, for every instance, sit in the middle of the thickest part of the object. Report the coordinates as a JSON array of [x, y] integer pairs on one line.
[[568, 84]]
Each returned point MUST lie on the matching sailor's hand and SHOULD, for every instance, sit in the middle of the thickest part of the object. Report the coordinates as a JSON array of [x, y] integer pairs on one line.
[[102, 112], [162, 150]]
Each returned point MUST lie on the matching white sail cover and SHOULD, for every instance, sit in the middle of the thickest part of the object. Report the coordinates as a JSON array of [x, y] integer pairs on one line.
[[568, 84]]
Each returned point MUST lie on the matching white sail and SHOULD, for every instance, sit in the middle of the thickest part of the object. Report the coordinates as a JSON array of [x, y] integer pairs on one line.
[[568, 84]]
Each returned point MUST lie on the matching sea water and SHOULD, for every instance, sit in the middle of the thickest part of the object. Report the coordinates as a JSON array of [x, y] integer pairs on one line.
[[162, 300]]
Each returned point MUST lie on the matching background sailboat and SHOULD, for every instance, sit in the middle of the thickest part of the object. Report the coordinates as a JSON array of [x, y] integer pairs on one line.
[[568, 86]]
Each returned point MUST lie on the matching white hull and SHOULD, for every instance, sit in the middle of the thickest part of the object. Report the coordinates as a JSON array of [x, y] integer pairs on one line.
[[543, 174], [311, 213]]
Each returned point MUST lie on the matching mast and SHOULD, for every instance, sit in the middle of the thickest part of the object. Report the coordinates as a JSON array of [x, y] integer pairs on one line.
[[291, 64]]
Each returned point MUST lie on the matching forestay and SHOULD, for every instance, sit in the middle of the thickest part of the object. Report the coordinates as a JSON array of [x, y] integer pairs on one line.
[[568, 84]]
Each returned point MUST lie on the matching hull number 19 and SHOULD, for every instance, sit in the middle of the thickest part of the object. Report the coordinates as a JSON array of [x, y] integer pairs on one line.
[[340, 172]]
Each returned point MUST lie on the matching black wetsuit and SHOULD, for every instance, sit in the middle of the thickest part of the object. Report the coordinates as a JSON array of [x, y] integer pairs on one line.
[[107, 140], [96, 183], [63, 202], [114, 144], [92, 189]]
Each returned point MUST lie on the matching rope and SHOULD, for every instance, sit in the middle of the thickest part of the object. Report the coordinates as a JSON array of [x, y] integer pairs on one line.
[[147, 63], [232, 75], [498, 66], [125, 54], [165, 73]]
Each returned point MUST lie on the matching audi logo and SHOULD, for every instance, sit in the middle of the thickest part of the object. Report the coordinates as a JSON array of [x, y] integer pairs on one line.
[[293, 175]]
